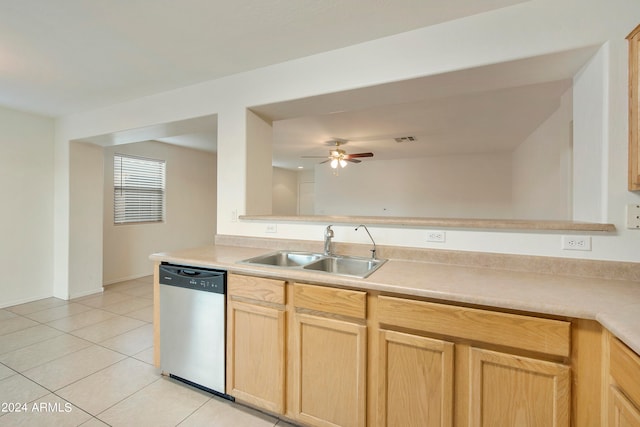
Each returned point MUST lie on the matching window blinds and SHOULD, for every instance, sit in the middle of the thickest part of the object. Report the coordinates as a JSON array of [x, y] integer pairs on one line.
[[138, 185]]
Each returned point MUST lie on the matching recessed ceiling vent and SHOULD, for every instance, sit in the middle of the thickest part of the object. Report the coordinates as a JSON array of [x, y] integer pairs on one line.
[[406, 139]]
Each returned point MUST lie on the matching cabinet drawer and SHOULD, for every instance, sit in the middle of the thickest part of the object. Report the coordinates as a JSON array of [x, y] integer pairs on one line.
[[342, 302], [625, 369], [512, 330], [256, 288]]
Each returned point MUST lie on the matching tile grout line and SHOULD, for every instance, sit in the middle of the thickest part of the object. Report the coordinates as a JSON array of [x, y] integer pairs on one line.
[[123, 399], [52, 360], [55, 392], [30, 344], [195, 410], [52, 392], [63, 302], [106, 367], [90, 343]]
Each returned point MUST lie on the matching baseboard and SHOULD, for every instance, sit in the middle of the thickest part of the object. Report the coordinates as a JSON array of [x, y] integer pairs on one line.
[[5, 304], [87, 293]]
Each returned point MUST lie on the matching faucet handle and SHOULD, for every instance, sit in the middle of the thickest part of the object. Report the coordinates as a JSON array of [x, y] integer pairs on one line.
[[328, 232]]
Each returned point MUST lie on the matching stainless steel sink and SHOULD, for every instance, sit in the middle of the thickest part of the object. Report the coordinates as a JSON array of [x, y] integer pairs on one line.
[[317, 262], [346, 266], [284, 259]]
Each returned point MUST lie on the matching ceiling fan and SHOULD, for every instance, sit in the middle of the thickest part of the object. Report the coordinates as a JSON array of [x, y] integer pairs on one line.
[[339, 157]]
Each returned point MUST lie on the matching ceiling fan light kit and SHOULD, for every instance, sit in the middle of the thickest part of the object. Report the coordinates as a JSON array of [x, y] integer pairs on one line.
[[339, 157], [338, 162]]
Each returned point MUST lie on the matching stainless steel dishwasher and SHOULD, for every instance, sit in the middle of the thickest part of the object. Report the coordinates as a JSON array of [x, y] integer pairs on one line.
[[192, 325]]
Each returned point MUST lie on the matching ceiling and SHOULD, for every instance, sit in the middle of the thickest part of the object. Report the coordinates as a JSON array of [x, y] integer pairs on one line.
[[65, 56], [485, 109], [199, 133]]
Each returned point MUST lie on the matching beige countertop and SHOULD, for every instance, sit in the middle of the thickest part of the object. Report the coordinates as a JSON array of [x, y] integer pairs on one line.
[[613, 303], [495, 224]]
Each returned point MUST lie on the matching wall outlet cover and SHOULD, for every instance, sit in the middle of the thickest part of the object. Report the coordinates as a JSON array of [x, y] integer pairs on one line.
[[436, 236], [271, 228], [576, 243], [633, 216]]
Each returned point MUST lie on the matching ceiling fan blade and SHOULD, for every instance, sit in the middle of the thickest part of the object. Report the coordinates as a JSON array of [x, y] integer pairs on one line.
[[324, 161], [354, 160], [313, 157], [351, 156]]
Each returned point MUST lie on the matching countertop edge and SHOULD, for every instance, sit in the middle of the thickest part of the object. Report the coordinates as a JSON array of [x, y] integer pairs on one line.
[[469, 223]]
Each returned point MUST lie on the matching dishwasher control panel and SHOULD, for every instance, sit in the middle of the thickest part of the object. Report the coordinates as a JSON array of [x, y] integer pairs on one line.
[[198, 279]]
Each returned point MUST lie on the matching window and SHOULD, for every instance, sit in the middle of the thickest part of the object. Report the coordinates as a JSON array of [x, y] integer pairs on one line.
[[138, 185]]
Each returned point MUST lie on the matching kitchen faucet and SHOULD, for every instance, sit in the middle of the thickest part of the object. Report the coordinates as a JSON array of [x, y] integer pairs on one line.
[[373, 251], [328, 235]]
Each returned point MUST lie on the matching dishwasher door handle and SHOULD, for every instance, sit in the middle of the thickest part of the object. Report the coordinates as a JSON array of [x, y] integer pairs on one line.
[[179, 271], [188, 272]]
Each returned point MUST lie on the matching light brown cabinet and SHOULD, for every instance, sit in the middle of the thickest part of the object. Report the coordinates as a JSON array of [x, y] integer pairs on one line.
[[511, 390], [624, 386], [622, 412], [485, 356], [325, 356], [329, 352], [416, 380], [256, 326]]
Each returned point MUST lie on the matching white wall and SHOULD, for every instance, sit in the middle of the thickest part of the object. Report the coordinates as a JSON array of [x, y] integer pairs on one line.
[[527, 29], [285, 192], [190, 210], [533, 182], [542, 168], [258, 165], [306, 192], [85, 183], [26, 216], [456, 186], [591, 109]]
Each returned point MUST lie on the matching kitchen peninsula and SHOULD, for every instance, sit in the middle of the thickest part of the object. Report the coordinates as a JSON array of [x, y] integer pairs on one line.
[[468, 327]]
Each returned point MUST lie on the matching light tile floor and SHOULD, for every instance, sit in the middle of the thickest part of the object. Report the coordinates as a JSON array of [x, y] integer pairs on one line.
[[88, 362]]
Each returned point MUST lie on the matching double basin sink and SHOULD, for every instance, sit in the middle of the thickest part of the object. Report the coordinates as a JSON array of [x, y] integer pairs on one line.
[[316, 262]]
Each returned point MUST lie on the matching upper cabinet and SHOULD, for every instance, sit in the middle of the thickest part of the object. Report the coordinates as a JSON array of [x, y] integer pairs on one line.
[[634, 107]]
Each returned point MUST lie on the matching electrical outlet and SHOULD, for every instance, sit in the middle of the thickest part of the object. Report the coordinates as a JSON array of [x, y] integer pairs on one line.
[[234, 215], [576, 243], [633, 216], [436, 236], [271, 228]]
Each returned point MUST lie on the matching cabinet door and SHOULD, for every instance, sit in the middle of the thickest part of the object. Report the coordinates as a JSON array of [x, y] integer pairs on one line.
[[256, 355], [329, 370], [622, 413], [508, 390], [416, 381], [624, 390]]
